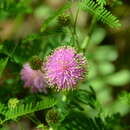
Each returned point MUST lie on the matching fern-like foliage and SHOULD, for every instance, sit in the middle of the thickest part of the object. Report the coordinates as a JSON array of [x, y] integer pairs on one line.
[[100, 13], [84, 97], [24, 109], [101, 2], [79, 121]]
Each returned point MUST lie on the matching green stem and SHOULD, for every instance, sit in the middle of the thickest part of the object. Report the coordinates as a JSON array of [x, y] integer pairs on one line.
[[70, 26], [87, 39], [75, 32], [33, 119], [73, 28], [92, 25]]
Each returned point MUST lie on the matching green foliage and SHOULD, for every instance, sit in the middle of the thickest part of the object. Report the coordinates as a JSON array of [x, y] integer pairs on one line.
[[2, 107], [9, 8], [3, 63], [24, 109], [23, 52], [8, 50], [12, 103], [100, 13], [101, 2], [85, 108], [85, 97], [119, 78], [77, 120], [125, 97], [56, 14]]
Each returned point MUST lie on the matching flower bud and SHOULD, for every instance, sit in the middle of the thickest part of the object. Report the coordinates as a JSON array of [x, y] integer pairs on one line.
[[52, 116], [64, 20], [12, 103], [36, 63], [42, 126]]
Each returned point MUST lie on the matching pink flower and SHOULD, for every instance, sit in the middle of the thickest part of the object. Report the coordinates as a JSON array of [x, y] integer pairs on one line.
[[65, 68], [33, 79]]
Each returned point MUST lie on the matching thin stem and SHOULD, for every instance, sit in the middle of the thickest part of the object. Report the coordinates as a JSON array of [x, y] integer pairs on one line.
[[87, 39], [71, 14], [73, 27], [92, 26], [35, 121], [75, 32], [76, 18], [32, 120], [70, 27], [91, 30]]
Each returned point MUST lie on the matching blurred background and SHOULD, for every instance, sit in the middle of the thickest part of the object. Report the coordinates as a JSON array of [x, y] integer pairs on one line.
[[108, 53]]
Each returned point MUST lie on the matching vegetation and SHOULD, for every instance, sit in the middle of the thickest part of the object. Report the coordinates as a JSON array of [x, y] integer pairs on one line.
[[99, 30]]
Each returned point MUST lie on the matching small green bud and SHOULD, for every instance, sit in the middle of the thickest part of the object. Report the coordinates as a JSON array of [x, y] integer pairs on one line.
[[52, 116], [51, 128], [64, 20], [36, 63], [12, 103], [64, 98], [42, 127]]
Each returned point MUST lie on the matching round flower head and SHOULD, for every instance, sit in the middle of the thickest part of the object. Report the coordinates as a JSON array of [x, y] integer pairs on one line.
[[65, 68], [33, 79]]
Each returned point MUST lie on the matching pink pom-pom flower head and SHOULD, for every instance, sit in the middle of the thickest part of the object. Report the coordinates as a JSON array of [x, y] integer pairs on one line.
[[33, 79], [65, 68]]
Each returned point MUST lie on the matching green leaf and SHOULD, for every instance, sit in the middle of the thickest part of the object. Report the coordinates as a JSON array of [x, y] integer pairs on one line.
[[3, 63], [105, 53], [31, 37], [119, 78], [97, 36], [106, 67]]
